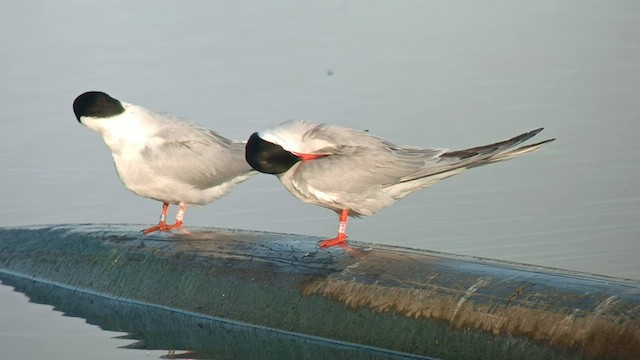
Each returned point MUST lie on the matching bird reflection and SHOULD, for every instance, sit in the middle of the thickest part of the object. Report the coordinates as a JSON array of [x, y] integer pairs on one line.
[[197, 337]]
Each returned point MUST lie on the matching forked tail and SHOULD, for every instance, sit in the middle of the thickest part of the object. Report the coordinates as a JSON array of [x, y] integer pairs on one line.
[[500, 151]]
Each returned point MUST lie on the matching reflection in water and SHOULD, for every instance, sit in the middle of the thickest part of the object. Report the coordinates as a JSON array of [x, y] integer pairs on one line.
[[186, 336]]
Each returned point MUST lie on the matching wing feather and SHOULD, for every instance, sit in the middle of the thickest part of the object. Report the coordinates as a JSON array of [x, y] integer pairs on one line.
[[361, 164], [195, 156], [360, 161]]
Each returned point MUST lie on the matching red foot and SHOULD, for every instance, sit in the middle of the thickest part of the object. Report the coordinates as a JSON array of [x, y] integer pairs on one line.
[[338, 240], [163, 226], [160, 227]]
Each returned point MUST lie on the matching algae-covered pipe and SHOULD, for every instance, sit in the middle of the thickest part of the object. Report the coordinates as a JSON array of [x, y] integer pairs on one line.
[[187, 335], [405, 300]]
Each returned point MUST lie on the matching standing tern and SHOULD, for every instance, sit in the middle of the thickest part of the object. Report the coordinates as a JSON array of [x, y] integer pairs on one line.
[[159, 157], [356, 174]]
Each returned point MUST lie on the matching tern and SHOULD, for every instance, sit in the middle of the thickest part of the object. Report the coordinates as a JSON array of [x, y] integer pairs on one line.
[[160, 157], [357, 174]]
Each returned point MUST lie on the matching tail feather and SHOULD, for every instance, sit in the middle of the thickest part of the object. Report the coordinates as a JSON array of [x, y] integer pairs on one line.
[[507, 155], [486, 151], [454, 162]]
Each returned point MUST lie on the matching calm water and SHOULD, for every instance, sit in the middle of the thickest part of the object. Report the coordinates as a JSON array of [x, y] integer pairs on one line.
[[443, 74]]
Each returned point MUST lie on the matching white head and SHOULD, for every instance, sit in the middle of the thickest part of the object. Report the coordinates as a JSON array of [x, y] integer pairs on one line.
[[276, 150], [121, 124], [296, 136]]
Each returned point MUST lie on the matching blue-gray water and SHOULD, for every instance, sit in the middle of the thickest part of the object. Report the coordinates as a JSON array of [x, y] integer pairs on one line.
[[449, 74]]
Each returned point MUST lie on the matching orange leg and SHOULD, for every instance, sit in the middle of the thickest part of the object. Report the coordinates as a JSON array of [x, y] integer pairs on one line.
[[179, 217], [163, 221], [342, 236], [162, 225]]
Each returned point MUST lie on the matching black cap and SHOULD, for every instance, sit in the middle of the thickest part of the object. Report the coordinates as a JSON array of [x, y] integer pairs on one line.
[[96, 104]]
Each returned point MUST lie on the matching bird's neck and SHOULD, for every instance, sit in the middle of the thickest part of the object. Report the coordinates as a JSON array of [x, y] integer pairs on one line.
[[126, 135]]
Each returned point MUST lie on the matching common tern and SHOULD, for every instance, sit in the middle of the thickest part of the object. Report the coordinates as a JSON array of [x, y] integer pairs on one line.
[[355, 173], [160, 157]]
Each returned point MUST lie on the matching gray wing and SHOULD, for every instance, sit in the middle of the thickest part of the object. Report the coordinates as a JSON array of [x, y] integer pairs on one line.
[[367, 162], [360, 161], [195, 156]]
